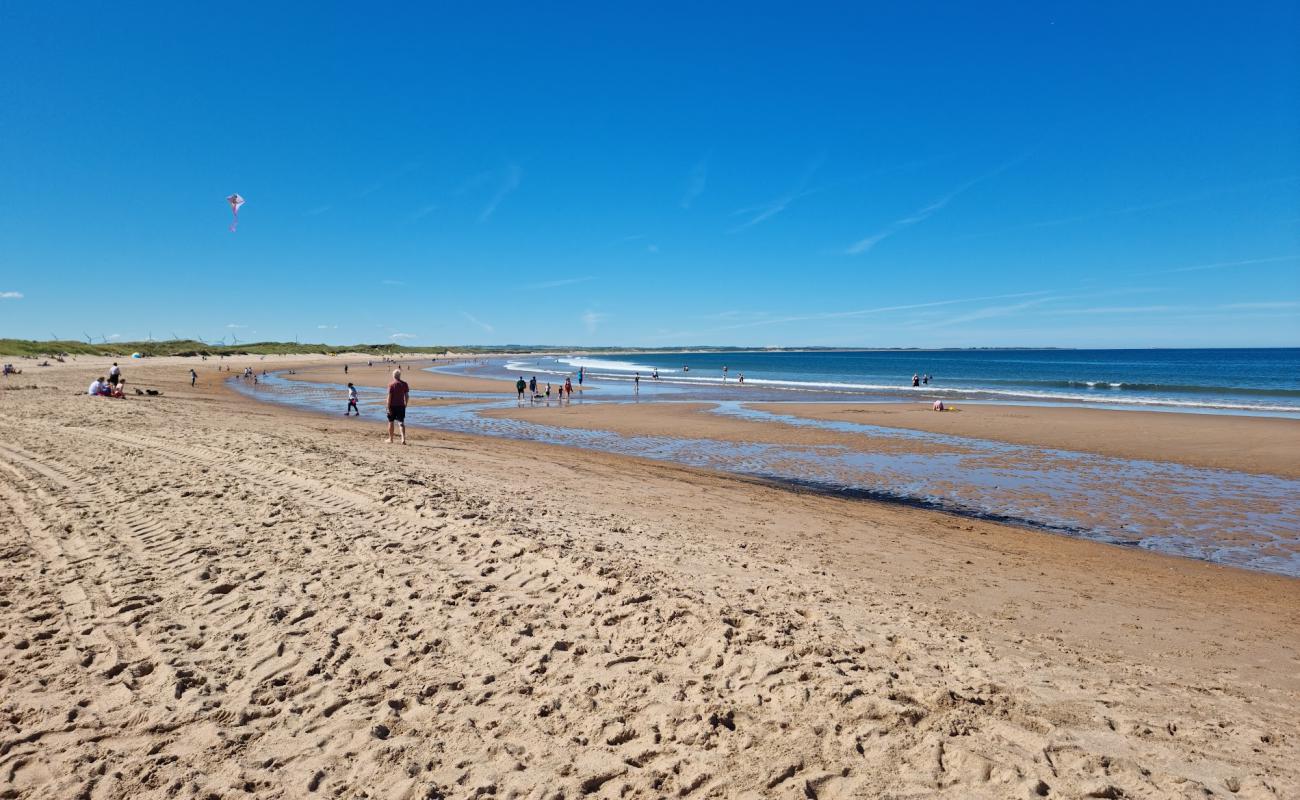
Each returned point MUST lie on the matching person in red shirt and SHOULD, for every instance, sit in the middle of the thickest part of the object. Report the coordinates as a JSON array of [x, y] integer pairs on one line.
[[398, 393]]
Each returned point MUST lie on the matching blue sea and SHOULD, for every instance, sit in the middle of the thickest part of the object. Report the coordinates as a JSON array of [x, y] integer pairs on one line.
[[1246, 381]]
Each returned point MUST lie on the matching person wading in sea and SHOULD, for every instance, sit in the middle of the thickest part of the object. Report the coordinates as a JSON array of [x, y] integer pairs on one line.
[[352, 401]]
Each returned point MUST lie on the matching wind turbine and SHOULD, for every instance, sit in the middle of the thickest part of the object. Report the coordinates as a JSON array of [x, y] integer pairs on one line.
[[87, 335]]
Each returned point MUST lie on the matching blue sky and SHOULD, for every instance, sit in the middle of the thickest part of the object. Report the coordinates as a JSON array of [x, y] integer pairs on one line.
[[1102, 174]]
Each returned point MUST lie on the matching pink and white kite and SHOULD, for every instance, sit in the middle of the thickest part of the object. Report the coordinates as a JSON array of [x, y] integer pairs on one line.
[[235, 202]]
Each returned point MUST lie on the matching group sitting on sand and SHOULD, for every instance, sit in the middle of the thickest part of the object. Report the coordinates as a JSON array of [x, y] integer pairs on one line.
[[103, 388], [10, 369]]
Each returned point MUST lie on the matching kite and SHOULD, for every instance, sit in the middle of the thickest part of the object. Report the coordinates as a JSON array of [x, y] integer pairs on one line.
[[235, 202]]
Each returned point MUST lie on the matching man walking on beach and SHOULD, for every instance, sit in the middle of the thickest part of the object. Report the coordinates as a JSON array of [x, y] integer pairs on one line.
[[520, 386], [194, 376], [398, 393], [352, 401]]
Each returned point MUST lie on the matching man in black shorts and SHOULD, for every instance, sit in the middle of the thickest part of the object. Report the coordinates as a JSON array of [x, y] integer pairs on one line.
[[398, 393]]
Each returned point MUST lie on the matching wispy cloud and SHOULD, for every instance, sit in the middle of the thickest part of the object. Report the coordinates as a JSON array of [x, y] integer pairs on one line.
[[397, 336], [112, 336], [592, 319], [327, 327], [236, 326], [764, 212], [988, 312], [866, 243], [695, 184], [475, 321], [1117, 310], [422, 212], [404, 169], [1141, 207], [764, 320], [1262, 306], [1224, 265], [510, 181], [558, 283], [11, 295]]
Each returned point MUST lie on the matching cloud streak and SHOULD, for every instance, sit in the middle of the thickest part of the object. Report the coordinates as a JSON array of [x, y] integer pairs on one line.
[[477, 322], [696, 183], [1224, 265], [11, 295], [558, 283], [592, 319], [397, 336], [854, 314], [865, 244], [510, 182], [762, 213]]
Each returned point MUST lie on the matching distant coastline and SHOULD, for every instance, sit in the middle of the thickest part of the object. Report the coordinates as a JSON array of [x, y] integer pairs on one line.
[[41, 348]]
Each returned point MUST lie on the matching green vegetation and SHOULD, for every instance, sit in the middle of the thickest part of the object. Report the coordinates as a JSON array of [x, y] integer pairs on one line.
[[30, 348], [188, 347]]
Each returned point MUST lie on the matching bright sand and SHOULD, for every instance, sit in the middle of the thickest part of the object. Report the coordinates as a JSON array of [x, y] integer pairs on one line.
[[205, 595]]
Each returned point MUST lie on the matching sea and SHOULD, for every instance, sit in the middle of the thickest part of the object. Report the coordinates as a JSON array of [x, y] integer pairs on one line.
[[1262, 381]]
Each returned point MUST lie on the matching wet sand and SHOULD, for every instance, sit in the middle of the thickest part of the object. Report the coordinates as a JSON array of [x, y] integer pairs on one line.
[[203, 595], [1259, 445]]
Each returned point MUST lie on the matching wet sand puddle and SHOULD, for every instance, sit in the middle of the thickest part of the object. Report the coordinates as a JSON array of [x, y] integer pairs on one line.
[[1235, 518]]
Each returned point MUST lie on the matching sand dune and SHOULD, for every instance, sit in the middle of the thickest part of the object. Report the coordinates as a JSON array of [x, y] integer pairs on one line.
[[206, 597]]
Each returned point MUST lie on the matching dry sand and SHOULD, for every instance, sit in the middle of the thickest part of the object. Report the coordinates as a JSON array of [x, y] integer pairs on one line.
[[203, 596]]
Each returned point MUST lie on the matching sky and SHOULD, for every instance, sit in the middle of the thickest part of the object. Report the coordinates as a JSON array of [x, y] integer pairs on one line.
[[758, 174]]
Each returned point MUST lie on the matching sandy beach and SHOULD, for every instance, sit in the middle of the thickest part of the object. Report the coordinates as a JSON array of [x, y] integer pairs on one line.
[[205, 596]]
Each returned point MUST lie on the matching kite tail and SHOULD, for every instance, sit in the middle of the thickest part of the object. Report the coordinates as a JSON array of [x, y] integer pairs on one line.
[[235, 224]]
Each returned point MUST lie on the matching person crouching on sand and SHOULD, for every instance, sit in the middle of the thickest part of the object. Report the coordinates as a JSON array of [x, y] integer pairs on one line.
[[398, 393]]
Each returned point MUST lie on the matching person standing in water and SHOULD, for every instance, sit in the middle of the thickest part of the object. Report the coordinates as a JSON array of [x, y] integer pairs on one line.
[[398, 393], [580, 373], [352, 401], [724, 373], [520, 386], [916, 379], [568, 387], [636, 384]]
